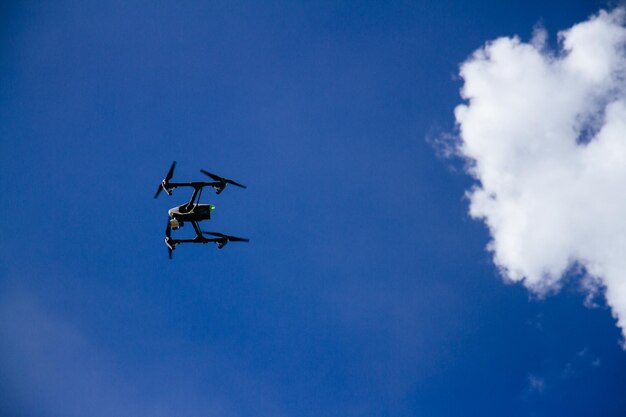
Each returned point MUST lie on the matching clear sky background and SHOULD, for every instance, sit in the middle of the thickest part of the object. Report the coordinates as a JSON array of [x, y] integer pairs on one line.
[[366, 289]]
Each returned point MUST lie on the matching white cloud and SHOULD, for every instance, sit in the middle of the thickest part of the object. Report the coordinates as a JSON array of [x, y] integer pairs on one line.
[[545, 136], [536, 383]]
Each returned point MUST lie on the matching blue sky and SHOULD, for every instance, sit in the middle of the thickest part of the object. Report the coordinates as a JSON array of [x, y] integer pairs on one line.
[[366, 289]]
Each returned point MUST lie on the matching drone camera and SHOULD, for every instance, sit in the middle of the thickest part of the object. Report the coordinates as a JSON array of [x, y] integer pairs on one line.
[[175, 224]]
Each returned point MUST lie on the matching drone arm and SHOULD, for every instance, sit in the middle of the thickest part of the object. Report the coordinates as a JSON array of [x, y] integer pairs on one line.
[[197, 229], [168, 186], [194, 184], [190, 204], [172, 185], [177, 241], [197, 239]]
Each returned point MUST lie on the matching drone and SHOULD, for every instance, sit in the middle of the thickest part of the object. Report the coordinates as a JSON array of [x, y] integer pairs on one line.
[[194, 212]]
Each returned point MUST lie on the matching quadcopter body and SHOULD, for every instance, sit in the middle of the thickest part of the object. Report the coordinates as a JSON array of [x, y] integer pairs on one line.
[[194, 212], [181, 214]]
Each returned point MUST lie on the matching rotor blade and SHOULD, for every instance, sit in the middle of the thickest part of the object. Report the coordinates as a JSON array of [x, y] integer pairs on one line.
[[213, 176], [170, 173], [227, 237], [158, 191], [168, 177], [237, 239], [221, 179], [235, 183]]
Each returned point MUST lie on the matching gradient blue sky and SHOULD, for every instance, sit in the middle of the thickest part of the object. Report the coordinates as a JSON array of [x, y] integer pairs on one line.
[[366, 289]]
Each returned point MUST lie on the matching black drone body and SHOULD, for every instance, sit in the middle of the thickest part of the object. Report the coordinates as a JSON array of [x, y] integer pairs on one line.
[[194, 212]]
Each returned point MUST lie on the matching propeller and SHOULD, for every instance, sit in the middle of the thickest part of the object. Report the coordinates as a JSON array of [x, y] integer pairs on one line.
[[222, 180], [224, 239], [167, 179], [227, 237]]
